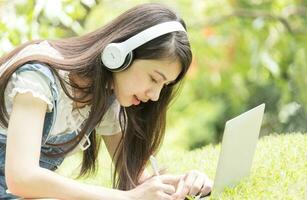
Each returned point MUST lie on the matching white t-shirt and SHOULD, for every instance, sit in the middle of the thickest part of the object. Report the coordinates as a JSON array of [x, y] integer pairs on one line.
[[67, 119]]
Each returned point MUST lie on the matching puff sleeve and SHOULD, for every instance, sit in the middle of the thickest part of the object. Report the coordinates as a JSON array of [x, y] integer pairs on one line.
[[28, 81]]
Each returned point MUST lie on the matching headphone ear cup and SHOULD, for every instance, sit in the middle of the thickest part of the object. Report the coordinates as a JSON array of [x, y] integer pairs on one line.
[[127, 63]]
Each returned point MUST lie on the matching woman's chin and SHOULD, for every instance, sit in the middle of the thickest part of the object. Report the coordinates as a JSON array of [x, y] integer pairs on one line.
[[124, 103]]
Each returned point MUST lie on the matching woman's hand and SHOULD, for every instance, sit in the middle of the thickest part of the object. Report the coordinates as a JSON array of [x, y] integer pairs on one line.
[[193, 183], [155, 188]]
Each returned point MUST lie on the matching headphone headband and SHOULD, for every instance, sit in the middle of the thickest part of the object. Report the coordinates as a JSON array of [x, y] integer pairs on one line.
[[118, 56]]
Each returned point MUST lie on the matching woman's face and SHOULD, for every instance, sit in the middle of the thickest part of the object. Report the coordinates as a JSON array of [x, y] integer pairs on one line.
[[144, 80]]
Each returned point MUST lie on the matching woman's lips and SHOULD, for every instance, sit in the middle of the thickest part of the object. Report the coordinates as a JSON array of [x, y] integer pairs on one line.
[[135, 100]]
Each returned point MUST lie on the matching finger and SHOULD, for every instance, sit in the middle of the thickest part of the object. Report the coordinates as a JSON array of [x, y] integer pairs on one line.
[[180, 187], [197, 185], [170, 179], [207, 188], [188, 183], [168, 189]]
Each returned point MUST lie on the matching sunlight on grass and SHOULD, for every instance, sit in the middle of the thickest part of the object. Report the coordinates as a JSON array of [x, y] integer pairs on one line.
[[279, 169]]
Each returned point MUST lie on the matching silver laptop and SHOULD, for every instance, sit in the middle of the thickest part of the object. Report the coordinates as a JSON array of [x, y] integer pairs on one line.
[[238, 147]]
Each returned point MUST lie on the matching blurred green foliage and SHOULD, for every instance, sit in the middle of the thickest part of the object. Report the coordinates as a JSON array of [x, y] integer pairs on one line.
[[246, 52]]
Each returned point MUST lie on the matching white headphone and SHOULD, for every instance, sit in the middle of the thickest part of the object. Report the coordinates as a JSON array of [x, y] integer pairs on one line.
[[118, 56]]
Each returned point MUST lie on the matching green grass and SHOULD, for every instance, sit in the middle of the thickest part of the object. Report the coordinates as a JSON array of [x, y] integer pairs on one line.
[[279, 168]]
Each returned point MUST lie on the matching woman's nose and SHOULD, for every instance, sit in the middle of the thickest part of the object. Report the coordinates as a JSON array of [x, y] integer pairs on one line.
[[153, 94]]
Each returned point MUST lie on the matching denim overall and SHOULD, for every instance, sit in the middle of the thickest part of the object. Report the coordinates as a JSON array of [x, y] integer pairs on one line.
[[50, 163]]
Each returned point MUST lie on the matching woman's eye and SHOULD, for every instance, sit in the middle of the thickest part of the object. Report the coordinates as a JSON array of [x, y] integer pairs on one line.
[[153, 80]]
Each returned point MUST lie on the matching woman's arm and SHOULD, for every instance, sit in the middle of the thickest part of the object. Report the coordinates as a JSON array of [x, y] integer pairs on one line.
[[24, 177]]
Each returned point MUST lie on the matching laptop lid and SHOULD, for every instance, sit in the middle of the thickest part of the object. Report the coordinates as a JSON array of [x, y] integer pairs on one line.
[[238, 147]]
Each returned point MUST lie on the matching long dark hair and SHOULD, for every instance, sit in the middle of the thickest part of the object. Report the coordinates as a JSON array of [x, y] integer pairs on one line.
[[143, 126]]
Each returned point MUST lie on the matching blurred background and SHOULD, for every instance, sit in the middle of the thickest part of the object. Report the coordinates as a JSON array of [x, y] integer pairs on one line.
[[246, 52]]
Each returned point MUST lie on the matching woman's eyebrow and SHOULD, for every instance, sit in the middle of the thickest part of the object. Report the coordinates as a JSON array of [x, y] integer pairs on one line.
[[161, 74]]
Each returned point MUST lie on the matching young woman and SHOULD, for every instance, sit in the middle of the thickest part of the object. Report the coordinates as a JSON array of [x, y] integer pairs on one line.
[[60, 96]]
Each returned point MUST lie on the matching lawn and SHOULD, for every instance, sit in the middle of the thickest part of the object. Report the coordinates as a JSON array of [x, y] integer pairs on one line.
[[279, 168]]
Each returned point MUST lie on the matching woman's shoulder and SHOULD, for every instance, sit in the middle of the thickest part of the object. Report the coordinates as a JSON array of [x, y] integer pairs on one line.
[[27, 79]]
